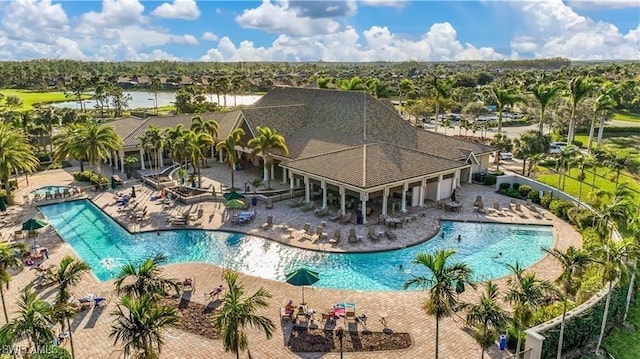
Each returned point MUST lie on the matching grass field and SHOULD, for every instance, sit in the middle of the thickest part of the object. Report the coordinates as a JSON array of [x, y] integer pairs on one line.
[[627, 116], [30, 98], [623, 342]]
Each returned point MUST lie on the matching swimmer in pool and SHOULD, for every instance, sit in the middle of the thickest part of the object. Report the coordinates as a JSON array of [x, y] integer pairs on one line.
[[442, 235], [459, 237], [498, 256]]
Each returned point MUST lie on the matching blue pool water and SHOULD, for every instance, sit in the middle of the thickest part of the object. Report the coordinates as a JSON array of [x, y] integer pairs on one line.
[[105, 245], [43, 190]]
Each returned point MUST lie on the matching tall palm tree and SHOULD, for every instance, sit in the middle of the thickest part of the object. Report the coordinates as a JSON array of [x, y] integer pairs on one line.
[[616, 258], [440, 91], [31, 323], [140, 325], [66, 145], [525, 293], [210, 127], [154, 86], [445, 282], [544, 94], [153, 138], [229, 146], [573, 262], [239, 312], [16, 154], [146, 278], [504, 98], [611, 215], [619, 161], [9, 258], [487, 317], [91, 141], [563, 165], [267, 141], [602, 103], [579, 89], [193, 144], [582, 163], [405, 87]]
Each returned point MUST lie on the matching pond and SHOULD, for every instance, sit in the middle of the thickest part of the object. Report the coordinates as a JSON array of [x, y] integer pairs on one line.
[[141, 99]]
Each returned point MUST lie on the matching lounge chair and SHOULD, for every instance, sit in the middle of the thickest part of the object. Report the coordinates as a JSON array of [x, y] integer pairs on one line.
[[337, 217], [322, 212], [117, 180], [389, 234], [188, 285], [320, 235], [352, 236], [296, 203], [373, 236], [336, 237], [347, 218], [478, 200], [268, 224], [479, 207], [305, 231], [308, 207]]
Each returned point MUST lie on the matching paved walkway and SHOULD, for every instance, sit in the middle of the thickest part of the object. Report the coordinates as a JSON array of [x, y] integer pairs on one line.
[[402, 310]]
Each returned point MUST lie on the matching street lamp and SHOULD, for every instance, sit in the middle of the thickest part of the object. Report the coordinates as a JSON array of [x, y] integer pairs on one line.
[[340, 333], [155, 104]]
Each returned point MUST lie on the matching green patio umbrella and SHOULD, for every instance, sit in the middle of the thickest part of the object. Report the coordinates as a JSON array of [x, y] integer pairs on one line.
[[302, 277], [234, 204], [233, 195], [33, 224]]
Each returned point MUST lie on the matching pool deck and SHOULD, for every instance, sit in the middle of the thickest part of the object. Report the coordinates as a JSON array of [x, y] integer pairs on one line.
[[402, 310]]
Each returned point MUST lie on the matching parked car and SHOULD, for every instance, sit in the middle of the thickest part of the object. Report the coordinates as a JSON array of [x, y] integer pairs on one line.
[[506, 156], [556, 147]]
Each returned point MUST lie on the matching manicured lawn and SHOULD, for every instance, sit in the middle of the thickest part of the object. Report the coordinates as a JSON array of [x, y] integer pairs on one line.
[[627, 116], [30, 98], [622, 342]]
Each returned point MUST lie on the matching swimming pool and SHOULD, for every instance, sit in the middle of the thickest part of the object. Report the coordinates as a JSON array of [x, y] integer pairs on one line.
[[105, 245], [43, 190]]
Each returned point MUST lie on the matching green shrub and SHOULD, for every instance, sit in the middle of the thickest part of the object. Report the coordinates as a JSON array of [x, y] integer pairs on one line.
[[43, 157], [54, 166], [577, 143], [546, 199], [534, 196], [516, 186], [504, 186], [89, 176], [584, 219], [490, 180], [52, 352], [524, 190], [548, 312], [560, 207], [549, 162]]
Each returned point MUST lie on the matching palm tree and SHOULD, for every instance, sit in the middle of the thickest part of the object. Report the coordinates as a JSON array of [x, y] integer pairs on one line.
[[238, 312], [146, 278], [618, 161], [504, 98], [154, 86], [525, 293], [579, 89], [210, 127], [602, 103], [582, 163], [267, 141], [153, 138], [444, 283], [140, 325], [440, 91], [229, 146], [616, 258], [487, 317], [573, 262], [405, 87], [544, 94], [17, 155], [9, 258], [99, 142], [563, 164], [611, 215], [31, 323], [193, 144]]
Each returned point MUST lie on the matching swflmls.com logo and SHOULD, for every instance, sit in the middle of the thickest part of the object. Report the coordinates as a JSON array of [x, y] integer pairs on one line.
[[18, 349]]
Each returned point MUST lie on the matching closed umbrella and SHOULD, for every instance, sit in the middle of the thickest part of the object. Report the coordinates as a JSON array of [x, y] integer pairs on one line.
[[113, 183], [233, 195], [3, 206], [453, 195], [133, 191], [302, 277]]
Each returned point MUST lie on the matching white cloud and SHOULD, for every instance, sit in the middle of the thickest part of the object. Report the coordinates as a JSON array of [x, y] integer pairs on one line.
[[180, 9], [209, 36], [603, 4], [552, 29], [114, 14], [280, 18], [33, 20], [384, 3], [378, 44], [184, 39]]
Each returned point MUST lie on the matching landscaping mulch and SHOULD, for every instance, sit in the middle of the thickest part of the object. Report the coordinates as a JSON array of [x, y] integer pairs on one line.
[[195, 318], [322, 341]]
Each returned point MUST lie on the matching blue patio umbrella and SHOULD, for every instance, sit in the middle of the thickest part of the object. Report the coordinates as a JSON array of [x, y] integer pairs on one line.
[[302, 277]]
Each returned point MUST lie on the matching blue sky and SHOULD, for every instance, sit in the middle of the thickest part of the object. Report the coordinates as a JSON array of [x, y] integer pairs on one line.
[[348, 30]]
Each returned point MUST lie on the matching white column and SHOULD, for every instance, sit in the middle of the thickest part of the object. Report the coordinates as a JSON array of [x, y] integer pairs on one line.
[[423, 186], [364, 197], [470, 176], [285, 175], [385, 199], [403, 206], [307, 191], [438, 188], [273, 171], [161, 161], [323, 185], [343, 207], [456, 177], [265, 173], [142, 160], [121, 161], [220, 157]]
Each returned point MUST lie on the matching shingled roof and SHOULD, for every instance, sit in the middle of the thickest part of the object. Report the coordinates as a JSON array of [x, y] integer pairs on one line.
[[372, 165]]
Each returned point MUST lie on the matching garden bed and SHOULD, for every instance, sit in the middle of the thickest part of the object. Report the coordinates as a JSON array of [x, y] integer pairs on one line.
[[323, 341], [195, 318]]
